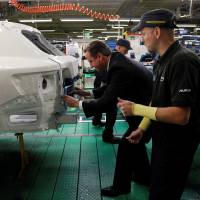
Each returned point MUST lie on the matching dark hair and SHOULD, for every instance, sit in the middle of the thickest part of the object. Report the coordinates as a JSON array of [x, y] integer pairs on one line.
[[96, 47]]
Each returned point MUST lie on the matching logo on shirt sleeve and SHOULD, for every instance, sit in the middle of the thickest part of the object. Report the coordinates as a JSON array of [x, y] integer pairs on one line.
[[162, 78], [186, 90]]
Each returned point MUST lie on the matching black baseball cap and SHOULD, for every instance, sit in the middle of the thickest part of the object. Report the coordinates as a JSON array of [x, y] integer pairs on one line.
[[158, 17], [124, 43]]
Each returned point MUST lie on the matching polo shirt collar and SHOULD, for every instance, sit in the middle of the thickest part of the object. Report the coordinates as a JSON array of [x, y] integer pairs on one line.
[[169, 52]]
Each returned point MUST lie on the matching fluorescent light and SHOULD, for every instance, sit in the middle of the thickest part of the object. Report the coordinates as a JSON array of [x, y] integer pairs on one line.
[[96, 29], [112, 36], [108, 32], [81, 36], [117, 27], [76, 19], [182, 16], [180, 29], [187, 25], [47, 31], [35, 20], [123, 24], [101, 37], [125, 20]]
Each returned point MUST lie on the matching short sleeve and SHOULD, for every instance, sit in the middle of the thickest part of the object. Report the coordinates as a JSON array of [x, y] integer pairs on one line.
[[183, 82]]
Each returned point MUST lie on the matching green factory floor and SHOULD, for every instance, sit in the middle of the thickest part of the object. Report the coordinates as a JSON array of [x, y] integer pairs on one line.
[[70, 164]]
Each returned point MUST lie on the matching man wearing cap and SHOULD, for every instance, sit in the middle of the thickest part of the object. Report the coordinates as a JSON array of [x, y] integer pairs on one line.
[[123, 46], [175, 106]]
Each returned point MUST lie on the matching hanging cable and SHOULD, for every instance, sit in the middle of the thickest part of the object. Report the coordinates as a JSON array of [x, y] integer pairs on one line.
[[64, 7]]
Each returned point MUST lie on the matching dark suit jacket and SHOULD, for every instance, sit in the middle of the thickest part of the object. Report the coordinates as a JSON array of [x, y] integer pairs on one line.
[[100, 78], [126, 79]]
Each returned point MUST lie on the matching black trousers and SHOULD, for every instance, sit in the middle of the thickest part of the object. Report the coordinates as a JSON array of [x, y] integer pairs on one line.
[[131, 160], [111, 116], [171, 162]]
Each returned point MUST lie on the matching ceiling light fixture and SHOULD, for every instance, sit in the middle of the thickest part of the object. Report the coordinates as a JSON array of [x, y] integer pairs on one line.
[[108, 32], [112, 36], [35, 20], [117, 27], [124, 20], [95, 29], [81, 36], [187, 25], [46, 31]]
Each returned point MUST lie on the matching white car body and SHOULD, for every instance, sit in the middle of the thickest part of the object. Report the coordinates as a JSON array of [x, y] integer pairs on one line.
[[31, 79]]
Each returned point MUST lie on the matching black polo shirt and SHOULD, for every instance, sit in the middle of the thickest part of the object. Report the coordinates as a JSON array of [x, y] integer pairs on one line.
[[177, 83]]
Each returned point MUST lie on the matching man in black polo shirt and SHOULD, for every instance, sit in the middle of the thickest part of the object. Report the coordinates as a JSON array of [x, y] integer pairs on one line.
[[175, 111]]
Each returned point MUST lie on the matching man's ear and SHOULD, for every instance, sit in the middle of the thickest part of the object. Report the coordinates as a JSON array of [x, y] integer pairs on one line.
[[157, 32], [100, 55]]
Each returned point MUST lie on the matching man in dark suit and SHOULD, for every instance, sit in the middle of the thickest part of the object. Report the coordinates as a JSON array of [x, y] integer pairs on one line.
[[122, 46], [125, 79]]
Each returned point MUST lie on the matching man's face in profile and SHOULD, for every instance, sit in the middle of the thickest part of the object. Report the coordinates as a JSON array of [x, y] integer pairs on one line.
[[98, 62]]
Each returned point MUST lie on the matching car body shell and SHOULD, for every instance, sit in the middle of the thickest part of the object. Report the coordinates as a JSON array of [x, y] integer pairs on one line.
[[32, 73]]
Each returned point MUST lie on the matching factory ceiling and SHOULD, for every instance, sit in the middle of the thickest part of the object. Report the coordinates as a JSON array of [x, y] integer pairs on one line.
[[187, 11]]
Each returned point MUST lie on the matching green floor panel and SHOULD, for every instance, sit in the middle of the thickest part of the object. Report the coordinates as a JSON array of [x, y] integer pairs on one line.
[[10, 167], [107, 161], [121, 127], [149, 146], [44, 185], [194, 176], [89, 184], [194, 180], [54, 173], [8, 143], [94, 129], [38, 154], [67, 181], [36, 151], [190, 194], [52, 132], [196, 162], [68, 129], [138, 192], [82, 117], [82, 128], [115, 148], [72, 110], [40, 133], [60, 128]]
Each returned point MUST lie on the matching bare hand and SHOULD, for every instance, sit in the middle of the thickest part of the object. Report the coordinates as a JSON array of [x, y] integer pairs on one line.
[[71, 101], [125, 107], [81, 92], [135, 136]]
